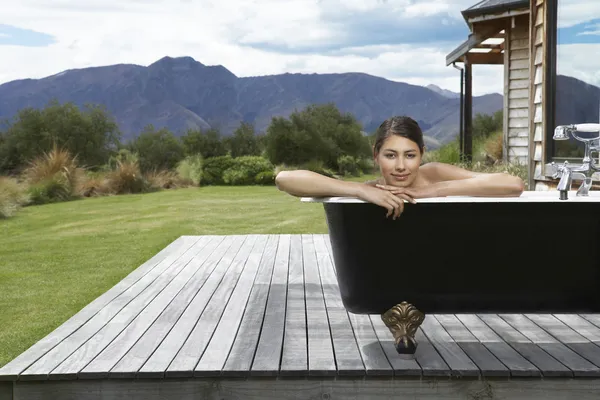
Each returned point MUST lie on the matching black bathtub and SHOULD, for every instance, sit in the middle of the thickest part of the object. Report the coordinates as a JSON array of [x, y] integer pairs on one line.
[[530, 254]]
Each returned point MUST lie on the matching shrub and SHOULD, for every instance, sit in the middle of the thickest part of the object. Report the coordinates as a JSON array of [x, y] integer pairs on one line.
[[53, 177], [126, 178], [94, 184], [448, 153], [190, 169], [166, 179], [366, 165], [318, 167], [214, 167], [493, 146], [13, 196], [249, 170], [348, 165]]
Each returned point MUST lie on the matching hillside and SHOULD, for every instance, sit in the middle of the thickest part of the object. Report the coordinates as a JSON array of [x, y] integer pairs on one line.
[[181, 93]]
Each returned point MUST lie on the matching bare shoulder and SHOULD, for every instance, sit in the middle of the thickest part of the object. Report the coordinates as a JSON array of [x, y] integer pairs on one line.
[[440, 172]]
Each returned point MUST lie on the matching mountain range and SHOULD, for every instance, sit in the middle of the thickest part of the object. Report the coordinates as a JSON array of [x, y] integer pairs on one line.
[[182, 93]]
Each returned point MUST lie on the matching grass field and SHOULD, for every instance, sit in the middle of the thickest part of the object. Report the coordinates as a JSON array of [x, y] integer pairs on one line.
[[57, 258]]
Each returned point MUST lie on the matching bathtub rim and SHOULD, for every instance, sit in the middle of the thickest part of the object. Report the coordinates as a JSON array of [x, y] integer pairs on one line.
[[533, 196]]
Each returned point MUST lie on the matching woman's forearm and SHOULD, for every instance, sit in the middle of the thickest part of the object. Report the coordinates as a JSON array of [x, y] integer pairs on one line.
[[491, 185], [302, 183]]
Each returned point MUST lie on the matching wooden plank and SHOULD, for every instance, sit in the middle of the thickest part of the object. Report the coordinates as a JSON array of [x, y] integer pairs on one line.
[[268, 352], [376, 362], [505, 99], [519, 54], [117, 294], [239, 360], [567, 336], [321, 359], [460, 364], [537, 97], [537, 152], [519, 32], [233, 264], [539, 19], [294, 360], [518, 103], [518, 132], [519, 44], [486, 361], [518, 123], [132, 361], [562, 353], [160, 359], [518, 151], [539, 36], [519, 73], [432, 364], [329, 249], [347, 355], [518, 113], [519, 94], [539, 75], [537, 135], [547, 365], [582, 326], [516, 363], [539, 55], [76, 351], [519, 64], [106, 360], [518, 141], [214, 358], [518, 84], [400, 365], [295, 389]]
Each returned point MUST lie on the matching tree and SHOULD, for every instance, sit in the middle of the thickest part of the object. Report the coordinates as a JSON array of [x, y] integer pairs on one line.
[[208, 143], [90, 134], [484, 124], [157, 149], [318, 133], [244, 142]]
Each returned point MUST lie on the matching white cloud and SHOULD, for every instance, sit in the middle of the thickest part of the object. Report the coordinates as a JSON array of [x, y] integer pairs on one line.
[[569, 61], [573, 12], [105, 32]]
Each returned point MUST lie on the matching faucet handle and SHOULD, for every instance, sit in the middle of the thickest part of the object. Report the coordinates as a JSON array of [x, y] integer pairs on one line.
[[559, 169]]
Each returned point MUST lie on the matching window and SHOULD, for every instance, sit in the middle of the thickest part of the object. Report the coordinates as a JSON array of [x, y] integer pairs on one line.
[[573, 87]]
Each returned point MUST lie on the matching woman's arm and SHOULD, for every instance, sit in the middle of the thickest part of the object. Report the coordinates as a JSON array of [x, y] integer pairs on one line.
[[303, 183], [450, 180]]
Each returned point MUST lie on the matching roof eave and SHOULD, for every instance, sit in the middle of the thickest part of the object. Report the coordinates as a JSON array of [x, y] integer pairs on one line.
[[500, 8]]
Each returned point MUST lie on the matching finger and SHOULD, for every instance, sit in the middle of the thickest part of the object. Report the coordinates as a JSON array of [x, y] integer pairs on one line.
[[386, 187], [390, 209], [398, 205], [405, 197]]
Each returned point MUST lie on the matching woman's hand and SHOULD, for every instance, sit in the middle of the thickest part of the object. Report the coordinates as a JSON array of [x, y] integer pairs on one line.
[[384, 198], [411, 193]]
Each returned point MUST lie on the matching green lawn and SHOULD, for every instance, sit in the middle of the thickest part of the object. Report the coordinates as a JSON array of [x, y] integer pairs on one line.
[[57, 258]]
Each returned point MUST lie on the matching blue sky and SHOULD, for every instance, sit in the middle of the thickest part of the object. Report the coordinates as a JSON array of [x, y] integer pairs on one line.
[[403, 40], [584, 32], [12, 35]]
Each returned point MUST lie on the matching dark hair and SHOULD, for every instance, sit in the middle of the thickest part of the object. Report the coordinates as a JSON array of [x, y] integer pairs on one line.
[[401, 126]]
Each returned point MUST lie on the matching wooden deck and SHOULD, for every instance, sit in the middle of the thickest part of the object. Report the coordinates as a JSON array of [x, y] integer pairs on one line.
[[260, 316]]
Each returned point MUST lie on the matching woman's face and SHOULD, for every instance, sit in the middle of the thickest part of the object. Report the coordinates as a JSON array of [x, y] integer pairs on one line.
[[398, 159]]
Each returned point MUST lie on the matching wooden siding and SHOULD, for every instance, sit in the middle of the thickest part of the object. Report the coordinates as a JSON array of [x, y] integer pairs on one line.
[[537, 130], [517, 91]]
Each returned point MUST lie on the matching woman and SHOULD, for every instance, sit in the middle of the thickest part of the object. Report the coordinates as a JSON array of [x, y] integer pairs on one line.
[[398, 152]]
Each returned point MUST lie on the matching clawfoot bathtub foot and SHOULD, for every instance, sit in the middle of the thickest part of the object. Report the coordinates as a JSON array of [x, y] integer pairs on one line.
[[403, 320]]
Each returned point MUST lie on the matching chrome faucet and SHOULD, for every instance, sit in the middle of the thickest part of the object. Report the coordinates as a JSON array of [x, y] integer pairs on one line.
[[588, 166]]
